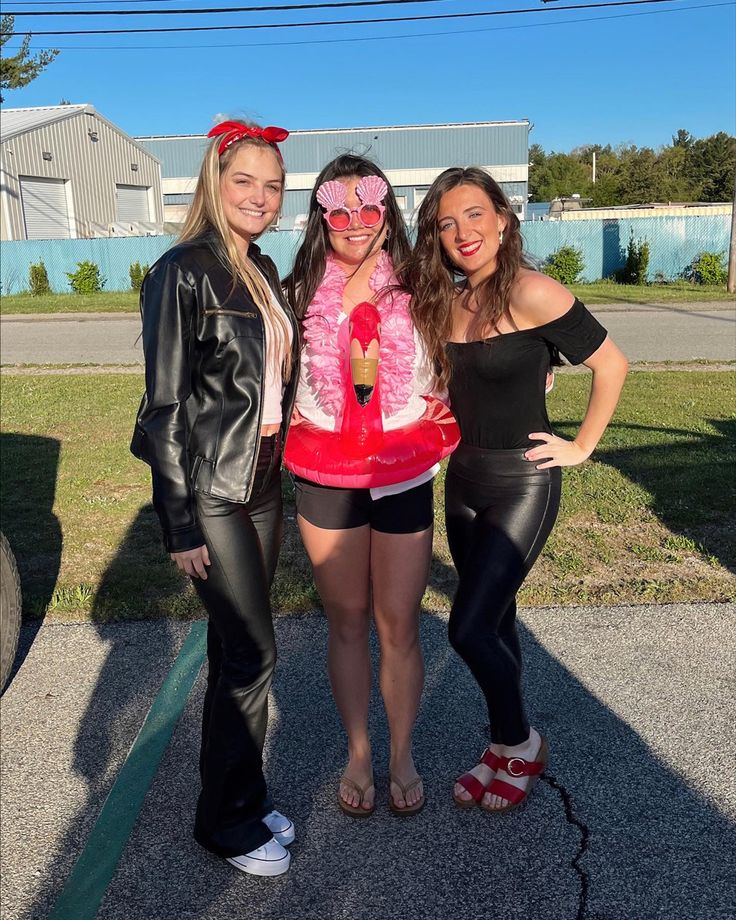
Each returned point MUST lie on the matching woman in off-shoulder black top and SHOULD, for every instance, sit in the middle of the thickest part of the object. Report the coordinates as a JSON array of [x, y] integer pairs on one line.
[[510, 370], [493, 327]]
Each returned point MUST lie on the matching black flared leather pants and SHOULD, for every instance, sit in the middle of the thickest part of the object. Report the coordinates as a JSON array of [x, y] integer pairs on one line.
[[500, 511], [243, 541]]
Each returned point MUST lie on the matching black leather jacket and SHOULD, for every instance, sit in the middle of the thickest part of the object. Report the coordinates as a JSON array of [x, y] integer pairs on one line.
[[198, 426]]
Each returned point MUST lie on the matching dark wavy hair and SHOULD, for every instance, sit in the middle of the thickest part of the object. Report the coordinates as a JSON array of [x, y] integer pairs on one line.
[[434, 280], [309, 264]]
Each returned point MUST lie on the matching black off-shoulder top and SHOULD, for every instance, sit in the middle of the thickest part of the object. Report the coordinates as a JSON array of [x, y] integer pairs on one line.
[[497, 384]]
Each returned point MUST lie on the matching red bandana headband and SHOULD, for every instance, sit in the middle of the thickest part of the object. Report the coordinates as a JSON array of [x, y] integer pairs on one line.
[[233, 131]]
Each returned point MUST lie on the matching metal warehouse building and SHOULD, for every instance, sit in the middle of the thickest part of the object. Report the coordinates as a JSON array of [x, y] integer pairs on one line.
[[412, 156], [67, 172]]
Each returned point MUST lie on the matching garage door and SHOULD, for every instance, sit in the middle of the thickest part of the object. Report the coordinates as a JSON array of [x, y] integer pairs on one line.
[[45, 208], [132, 203]]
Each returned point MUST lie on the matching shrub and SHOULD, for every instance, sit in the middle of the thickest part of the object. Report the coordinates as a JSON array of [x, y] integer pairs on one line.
[[38, 278], [86, 279], [709, 268], [565, 265], [637, 262], [137, 274]]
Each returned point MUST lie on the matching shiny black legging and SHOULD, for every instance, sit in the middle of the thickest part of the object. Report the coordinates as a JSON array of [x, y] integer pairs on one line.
[[500, 510], [243, 541]]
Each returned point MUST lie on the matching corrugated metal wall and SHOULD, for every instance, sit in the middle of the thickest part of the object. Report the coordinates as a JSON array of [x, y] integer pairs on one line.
[[394, 148], [412, 156], [180, 156], [407, 148], [92, 169], [296, 201], [674, 242]]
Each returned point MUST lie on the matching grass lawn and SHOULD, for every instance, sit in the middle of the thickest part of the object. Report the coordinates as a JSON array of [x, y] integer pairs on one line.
[[596, 293], [650, 520], [673, 292], [107, 302]]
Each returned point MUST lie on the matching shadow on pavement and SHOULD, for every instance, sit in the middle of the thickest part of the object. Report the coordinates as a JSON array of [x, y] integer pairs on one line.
[[29, 470], [137, 661], [613, 833]]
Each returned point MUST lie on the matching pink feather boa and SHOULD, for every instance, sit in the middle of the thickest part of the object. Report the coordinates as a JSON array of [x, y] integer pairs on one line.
[[326, 375]]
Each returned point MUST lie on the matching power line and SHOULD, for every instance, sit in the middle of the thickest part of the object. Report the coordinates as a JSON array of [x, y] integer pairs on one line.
[[226, 9], [348, 22], [97, 2], [374, 38]]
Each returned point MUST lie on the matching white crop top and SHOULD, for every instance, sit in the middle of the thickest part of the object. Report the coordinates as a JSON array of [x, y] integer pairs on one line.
[[273, 388]]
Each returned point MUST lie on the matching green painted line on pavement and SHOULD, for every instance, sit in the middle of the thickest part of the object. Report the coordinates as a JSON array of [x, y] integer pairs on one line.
[[88, 880]]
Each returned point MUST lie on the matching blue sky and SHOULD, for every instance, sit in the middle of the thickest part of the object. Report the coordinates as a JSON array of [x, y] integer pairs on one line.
[[624, 75]]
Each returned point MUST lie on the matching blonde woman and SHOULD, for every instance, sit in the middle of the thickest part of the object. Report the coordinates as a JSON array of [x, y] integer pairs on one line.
[[221, 351]]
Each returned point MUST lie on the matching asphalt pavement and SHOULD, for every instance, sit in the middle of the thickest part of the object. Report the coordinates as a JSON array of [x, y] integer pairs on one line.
[[634, 819], [678, 332]]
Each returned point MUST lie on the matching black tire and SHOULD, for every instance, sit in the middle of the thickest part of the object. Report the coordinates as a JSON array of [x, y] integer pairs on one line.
[[11, 607]]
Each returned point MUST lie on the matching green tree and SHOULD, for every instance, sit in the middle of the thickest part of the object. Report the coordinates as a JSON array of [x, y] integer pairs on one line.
[[640, 182], [21, 68], [686, 170], [673, 170], [559, 175], [607, 189], [683, 138], [537, 159], [713, 167]]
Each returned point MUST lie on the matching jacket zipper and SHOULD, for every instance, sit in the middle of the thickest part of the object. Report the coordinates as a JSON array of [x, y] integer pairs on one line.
[[260, 411], [245, 314]]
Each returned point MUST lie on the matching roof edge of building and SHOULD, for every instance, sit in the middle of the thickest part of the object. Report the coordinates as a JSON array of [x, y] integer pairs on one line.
[[64, 111], [68, 111], [460, 124]]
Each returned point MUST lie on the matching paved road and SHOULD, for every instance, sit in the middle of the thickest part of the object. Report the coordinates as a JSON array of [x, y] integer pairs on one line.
[[654, 333], [634, 821]]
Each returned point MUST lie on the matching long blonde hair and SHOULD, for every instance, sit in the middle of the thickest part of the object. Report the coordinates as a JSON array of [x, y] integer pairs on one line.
[[206, 214]]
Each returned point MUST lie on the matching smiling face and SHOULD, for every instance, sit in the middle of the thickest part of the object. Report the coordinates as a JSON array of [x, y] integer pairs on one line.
[[251, 187], [468, 226], [351, 246]]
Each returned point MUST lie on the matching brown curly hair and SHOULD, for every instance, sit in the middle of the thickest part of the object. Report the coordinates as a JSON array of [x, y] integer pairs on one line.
[[434, 280]]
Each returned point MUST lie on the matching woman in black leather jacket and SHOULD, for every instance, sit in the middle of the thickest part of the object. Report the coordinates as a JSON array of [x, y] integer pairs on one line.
[[221, 351]]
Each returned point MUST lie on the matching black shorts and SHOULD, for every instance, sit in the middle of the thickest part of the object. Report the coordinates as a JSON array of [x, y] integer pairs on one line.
[[342, 509]]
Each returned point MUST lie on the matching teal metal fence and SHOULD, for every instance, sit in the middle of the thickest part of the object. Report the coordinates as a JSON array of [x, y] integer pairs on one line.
[[113, 256], [674, 243]]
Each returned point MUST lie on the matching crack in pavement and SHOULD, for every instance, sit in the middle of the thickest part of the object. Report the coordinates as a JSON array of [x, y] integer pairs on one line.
[[573, 819]]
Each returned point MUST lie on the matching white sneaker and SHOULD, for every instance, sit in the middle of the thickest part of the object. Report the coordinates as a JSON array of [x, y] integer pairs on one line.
[[281, 828], [270, 859]]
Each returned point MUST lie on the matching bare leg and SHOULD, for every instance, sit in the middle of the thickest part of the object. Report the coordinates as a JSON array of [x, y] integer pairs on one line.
[[340, 560], [400, 568]]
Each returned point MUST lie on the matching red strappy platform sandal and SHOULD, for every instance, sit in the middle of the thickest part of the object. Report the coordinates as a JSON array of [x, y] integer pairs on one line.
[[516, 766], [472, 785]]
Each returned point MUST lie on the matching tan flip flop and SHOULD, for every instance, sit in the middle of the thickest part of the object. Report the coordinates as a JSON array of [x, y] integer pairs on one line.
[[355, 811], [407, 809]]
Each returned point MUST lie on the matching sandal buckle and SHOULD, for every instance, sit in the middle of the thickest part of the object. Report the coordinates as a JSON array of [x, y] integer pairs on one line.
[[516, 771]]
